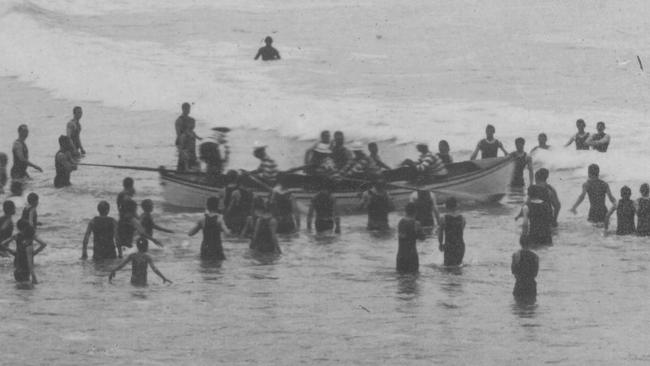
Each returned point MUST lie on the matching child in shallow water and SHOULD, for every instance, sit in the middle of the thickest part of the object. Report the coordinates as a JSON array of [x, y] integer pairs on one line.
[[625, 212], [140, 262]]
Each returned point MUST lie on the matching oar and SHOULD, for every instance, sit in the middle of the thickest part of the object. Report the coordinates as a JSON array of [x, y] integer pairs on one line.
[[469, 196], [256, 180], [142, 168]]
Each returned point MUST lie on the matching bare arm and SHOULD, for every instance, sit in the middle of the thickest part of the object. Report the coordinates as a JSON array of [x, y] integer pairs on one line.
[[196, 228], [156, 271], [571, 140], [84, 248], [529, 164], [296, 212], [30, 262], [140, 230], [609, 214], [120, 266], [160, 228], [475, 153], [337, 218], [41, 245], [115, 239], [580, 198], [223, 226], [364, 200], [20, 156], [436, 213], [259, 53], [526, 224], [441, 234], [612, 199], [505, 152]]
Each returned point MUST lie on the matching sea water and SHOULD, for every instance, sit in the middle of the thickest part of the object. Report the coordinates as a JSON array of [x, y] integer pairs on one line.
[[379, 71]]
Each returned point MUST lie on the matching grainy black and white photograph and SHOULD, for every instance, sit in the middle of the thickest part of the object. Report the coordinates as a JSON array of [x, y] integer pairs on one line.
[[302, 182]]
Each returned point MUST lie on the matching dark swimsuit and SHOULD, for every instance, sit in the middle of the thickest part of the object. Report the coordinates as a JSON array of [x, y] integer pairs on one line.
[[19, 169], [25, 216], [21, 265], [489, 149], [324, 207], [424, 208], [62, 177], [125, 231], [625, 217], [103, 240], [596, 190], [518, 173], [580, 141], [262, 237], [211, 247], [540, 216], [454, 242], [597, 137], [282, 211], [235, 219], [407, 253], [643, 217], [378, 209]]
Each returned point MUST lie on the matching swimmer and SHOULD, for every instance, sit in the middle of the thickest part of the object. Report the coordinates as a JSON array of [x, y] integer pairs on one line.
[[3, 171], [450, 234], [29, 211], [541, 143], [104, 231], [525, 266], [268, 53], [426, 209], [523, 162], [489, 146], [580, 138], [140, 262], [409, 232], [323, 205], [599, 141], [597, 190], [378, 204], [146, 220], [212, 226], [24, 253], [625, 211], [73, 131], [538, 217]]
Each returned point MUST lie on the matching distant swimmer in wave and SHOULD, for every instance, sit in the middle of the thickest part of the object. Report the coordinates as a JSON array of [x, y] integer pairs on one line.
[[643, 211], [599, 141], [625, 212], [73, 131], [541, 143], [443, 152], [538, 218], [21, 155], [523, 162], [140, 263], [580, 138], [323, 205], [212, 226], [597, 190], [525, 266], [103, 228], [4, 160], [24, 253], [450, 234], [268, 53], [64, 163], [489, 146], [376, 164], [378, 204], [409, 231]]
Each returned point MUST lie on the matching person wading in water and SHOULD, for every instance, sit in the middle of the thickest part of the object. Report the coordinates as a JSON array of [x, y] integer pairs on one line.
[[426, 209], [625, 212], [268, 52], [597, 190], [237, 203], [73, 131], [489, 146], [64, 163], [409, 231], [323, 205], [538, 218], [212, 226], [522, 162], [104, 231], [580, 138], [450, 235], [378, 203], [525, 266], [599, 141]]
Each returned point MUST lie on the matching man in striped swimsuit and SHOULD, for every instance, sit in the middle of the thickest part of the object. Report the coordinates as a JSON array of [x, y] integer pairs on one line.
[[428, 164], [268, 169]]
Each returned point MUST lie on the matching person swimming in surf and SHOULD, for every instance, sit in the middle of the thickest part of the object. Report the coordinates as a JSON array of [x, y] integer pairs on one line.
[[450, 234], [599, 141], [268, 52], [597, 190], [523, 161], [489, 146], [580, 138], [140, 262], [409, 231], [541, 143], [625, 211]]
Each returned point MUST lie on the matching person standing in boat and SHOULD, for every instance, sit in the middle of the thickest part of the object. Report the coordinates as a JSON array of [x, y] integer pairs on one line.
[[542, 140], [625, 212], [489, 146], [183, 121], [215, 153], [538, 218], [428, 165], [600, 140], [443, 152], [283, 207], [525, 266], [104, 231], [340, 154], [409, 231], [187, 149], [426, 209], [264, 238], [358, 166], [580, 138], [378, 203], [73, 131], [268, 169], [377, 166], [450, 234], [643, 211], [212, 226], [323, 205], [597, 190], [64, 162], [21, 156], [237, 203], [324, 139], [522, 162]]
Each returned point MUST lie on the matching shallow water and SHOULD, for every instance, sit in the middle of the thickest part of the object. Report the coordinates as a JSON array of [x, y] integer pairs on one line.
[[395, 73]]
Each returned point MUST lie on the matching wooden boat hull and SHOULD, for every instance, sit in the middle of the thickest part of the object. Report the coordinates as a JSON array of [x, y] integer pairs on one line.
[[486, 182]]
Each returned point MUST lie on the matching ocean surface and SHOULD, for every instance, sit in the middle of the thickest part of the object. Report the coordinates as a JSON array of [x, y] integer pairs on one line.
[[395, 73]]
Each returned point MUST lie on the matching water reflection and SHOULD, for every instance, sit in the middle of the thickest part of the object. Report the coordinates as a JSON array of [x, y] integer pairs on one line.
[[525, 307], [407, 284]]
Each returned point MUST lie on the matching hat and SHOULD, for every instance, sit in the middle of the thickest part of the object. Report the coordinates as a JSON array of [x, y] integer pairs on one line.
[[221, 129], [323, 148], [258, 146], [356, 146]]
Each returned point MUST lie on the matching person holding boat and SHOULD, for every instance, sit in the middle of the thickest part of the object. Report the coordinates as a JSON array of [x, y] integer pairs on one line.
[[599, 141], [21, 155], [428, 165], [580, 138], [215, 152], [522, 161], [268, 169], [378, 204], [489, 146], [358, 166], [597, 190]]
